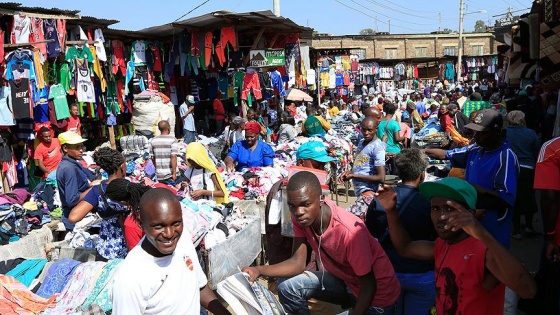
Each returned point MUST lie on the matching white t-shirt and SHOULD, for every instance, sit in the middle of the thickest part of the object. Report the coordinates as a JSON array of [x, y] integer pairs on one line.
[[21, 29], [144, 284], [188, 122], [139, 52], [99, 47], [311, 78], [199, 177]]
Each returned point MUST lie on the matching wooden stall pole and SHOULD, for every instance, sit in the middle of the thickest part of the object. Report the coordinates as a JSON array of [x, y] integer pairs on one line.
[[112, 137]]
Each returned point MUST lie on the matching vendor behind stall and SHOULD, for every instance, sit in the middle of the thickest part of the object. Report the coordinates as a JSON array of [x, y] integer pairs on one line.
[[47, 154], [111, 243], [314, 125], [205, 180], [249, 152], [74, 180]]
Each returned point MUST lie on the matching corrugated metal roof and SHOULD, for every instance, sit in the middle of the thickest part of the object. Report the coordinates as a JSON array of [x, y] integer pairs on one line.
[[14, 8]]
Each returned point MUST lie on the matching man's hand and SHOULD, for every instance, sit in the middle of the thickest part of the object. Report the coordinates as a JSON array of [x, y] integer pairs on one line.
[[346, 176], [95, 182], [230, 168], [463, 219], [197, 194], [387, 198], [253, 273]]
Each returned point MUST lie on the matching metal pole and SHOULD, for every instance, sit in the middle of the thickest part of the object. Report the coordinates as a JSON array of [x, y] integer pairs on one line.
[[276, 7], [460, 54]]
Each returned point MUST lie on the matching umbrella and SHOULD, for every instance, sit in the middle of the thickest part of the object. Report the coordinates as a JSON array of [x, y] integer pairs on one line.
[[298, 95]]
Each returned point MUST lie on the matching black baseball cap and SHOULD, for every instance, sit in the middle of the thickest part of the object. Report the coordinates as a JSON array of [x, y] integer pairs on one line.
[[486, 120]]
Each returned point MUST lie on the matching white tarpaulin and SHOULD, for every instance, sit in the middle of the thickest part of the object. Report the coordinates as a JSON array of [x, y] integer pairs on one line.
[[148, 111]]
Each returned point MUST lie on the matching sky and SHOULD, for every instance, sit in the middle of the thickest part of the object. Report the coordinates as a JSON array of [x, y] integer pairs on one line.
[[337, 17]]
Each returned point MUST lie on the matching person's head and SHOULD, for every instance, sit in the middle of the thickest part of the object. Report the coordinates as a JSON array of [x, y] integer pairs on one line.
[[189, 100], [516, 118], [111, 161], [372, 112], [410, 106], [380, 100], [128, 193], [313, 154], [196, 156], [411, 165], [252, 131], [45, 135], [250, 114], [331, 104], [433, 108], [304, 198], [310, 111], [439, 192], [238, 123], [286, 118], [219, 94], [452, 109], [355, 108], [72, 144], [487, 125], [161, 220], [164, 127], [74, 110], [369, 128], [389, 108]]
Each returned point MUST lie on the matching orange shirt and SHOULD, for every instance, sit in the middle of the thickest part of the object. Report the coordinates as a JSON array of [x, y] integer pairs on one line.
[[50, 155], [74, 124]]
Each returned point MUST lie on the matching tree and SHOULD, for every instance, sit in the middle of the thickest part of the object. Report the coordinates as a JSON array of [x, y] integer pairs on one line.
[[367, 31], [480, 26], [448, 30]]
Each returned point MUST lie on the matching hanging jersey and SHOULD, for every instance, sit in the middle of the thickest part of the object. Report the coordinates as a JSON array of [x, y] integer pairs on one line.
[[38, 35], [51, 33], [139, 52], [16, 70], [21, 102], [6, 112], [99, 41], [21, 29], [58, 95], [84, 87]]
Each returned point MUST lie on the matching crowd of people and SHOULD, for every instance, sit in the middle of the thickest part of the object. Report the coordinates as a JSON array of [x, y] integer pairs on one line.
[[402, 249]]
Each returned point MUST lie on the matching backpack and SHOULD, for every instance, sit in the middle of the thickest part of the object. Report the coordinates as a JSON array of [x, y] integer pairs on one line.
[[376, 217]]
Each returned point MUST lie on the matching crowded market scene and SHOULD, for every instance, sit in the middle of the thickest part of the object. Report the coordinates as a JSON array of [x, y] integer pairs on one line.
[[238, 162]]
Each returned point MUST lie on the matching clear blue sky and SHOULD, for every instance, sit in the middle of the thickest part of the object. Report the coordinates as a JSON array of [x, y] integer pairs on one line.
[[339, 17]]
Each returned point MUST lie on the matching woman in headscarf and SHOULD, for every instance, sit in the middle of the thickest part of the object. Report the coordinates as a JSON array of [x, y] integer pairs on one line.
[[250, 152], [205, 180]]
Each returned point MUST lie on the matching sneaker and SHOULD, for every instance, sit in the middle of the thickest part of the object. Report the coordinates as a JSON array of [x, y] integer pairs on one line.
[[517, 236]]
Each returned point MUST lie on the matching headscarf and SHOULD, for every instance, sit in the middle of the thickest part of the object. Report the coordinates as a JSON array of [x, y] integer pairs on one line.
[[253, 127], [516, 118], [198, 154]]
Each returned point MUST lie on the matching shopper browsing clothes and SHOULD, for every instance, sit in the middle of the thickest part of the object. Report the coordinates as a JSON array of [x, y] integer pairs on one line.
[[164, 155], [48, 152]]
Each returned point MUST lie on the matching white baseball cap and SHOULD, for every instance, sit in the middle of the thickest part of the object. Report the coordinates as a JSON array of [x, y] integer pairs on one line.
[[190, 99]]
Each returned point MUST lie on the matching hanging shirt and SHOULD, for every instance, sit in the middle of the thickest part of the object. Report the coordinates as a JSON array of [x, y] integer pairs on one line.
[[16, 70], [38, 35], [21, 29], [99, 41], [6, 112], [58, 95], [84, 87], [138, 51], [51, 33], [81, 52], [21, 101]]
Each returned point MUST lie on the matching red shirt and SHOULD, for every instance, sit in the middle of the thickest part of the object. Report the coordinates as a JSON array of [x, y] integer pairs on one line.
[[51, 155], [445, 121], [547, 172], [74, 124], [459, 272], [348, 251], [219, 112], [132, 232]]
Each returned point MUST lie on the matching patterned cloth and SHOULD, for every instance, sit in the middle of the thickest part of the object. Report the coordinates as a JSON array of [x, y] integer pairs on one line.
[[473, 106], [100, 294], [16, 298], [57, 277], [78, 289], [360, 207]]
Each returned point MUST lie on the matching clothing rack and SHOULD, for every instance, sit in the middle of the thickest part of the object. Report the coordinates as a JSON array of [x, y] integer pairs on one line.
[[79, 42], [28, 44]]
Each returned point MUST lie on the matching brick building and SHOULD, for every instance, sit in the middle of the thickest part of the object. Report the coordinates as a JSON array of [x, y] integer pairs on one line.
[[409, 46]]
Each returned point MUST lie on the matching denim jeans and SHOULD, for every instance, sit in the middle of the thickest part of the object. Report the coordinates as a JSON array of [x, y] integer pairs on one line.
[[190, 136], [294, 293], [418, 293]]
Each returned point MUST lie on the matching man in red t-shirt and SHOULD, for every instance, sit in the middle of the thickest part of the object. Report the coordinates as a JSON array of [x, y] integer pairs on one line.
[[48, 153], [219, 113], [74, 123], [471, 267], [547, 172], [354, 268]]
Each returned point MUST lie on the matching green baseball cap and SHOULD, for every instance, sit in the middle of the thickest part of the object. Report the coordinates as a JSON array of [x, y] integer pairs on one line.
[[452, 188], [313, 150]]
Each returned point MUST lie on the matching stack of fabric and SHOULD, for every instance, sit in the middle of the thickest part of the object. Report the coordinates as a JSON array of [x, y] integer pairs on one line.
[[253, 183]]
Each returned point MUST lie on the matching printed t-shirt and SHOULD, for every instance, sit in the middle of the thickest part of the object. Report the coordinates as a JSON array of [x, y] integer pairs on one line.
[[21, 102], [392, 145], [51, 155], [348, 251], [369, 157], [81, 53], [547, 172], [139, 52], [459, 273], [313, 126], [262, 155], [495, 170], [74, 124], [168, 285], [58, 95]]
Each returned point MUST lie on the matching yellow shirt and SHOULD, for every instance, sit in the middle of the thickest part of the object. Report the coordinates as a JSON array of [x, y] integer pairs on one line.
[[333, 111]]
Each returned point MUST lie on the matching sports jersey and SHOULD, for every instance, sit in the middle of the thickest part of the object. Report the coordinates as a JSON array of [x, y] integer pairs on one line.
[[84, 87], [16, 70], [38, 35], [21, 29], [6, 112], [138, 53], [79, 52], [51, 33], [58, 95], [99, 48], [21, 101]]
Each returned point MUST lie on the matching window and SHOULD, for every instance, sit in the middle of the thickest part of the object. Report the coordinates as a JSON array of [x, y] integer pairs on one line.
[[477, 50], [421, 51], [450, 51], [391, 53], [361, 53]]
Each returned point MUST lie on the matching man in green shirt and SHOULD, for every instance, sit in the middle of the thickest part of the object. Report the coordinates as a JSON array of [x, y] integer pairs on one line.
[[314, 125]]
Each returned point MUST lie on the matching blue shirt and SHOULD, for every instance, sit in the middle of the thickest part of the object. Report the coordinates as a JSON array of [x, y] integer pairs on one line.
[[420, 107], [263, 155], [417, 221], [73, 179], [369, 157], [495, 170], [524, 143]]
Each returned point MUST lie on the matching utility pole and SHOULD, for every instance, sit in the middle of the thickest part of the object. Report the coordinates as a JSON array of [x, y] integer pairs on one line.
[[460, 54], [439, 16], [389, 21], [376, 26], [276, 7]]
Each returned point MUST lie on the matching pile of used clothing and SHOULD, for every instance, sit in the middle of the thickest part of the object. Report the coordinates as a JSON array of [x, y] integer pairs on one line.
[[254, 183]]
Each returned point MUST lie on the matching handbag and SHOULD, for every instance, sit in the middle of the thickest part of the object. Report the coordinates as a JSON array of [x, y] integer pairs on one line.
[[385, 138]]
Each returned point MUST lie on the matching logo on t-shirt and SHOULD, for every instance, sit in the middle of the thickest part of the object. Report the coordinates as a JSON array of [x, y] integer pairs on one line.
[[51, 152], [188, 262]]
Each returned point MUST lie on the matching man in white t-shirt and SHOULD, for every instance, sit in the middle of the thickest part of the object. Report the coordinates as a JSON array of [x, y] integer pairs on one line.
[[162, 274], [186, 110]]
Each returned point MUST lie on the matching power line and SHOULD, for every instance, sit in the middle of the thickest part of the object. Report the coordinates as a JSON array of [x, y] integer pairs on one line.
[[198, 6], [362, 12], [392, 17], [395, 10]]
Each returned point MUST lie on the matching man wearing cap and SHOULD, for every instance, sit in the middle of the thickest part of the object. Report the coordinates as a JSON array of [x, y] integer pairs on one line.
[[459, 119], [492, 168], [74, 180], [471, 266], [186, 110]]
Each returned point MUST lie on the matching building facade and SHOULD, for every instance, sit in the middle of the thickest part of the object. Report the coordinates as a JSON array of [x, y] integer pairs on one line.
[[408, 46]]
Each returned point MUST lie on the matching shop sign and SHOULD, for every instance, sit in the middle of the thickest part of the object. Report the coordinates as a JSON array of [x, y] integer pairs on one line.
[[507, 21], [267, 58]]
